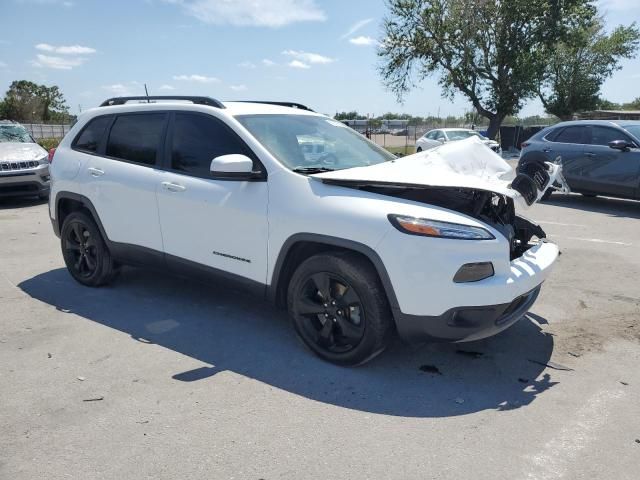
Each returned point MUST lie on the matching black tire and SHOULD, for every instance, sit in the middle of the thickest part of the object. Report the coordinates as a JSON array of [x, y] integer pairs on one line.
[[84, 251], [418, 150], [353, 321]]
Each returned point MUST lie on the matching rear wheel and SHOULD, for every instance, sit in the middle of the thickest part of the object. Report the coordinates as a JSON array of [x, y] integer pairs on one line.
[[84, 251], [339, 309]]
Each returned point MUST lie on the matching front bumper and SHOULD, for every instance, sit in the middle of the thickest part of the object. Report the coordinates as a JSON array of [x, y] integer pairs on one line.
[[465, 324], [31, 181]]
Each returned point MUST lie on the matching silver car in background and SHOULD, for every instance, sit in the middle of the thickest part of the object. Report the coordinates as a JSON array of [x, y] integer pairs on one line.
[[24, 165], [437, 137]]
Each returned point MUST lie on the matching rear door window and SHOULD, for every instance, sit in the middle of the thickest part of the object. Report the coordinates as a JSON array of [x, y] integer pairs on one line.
[[571, 135], [91, 135], [137, 138], [198, 139]]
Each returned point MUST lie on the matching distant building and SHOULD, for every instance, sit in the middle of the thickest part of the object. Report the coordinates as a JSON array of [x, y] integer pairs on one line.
[[609, 115]]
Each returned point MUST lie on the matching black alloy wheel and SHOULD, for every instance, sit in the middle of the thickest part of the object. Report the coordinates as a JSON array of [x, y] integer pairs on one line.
[[81, 248], [333, 311]]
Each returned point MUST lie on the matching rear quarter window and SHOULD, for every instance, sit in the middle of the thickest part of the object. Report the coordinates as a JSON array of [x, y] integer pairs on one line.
[[88, 140]]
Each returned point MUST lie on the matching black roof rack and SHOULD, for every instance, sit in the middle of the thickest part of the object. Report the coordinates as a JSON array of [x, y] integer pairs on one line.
[[282, 104], [211, 102]]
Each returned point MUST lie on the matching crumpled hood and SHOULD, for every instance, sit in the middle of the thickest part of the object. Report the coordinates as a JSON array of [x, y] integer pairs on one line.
[[463, 164], [21, 152]]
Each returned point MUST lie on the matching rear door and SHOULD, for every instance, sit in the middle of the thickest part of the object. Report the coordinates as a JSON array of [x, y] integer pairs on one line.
[[220, 224], [122, 178], [568, 144], [606, 170]]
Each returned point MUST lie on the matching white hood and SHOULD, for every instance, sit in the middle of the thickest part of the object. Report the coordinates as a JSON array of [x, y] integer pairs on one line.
[[463, 164], [21, 152]]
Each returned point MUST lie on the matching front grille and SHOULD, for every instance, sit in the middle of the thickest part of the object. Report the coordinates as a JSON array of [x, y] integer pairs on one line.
[[12, 166]]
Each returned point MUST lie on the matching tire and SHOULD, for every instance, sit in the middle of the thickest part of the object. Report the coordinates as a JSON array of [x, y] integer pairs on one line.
[[349, 325], [418, 150], [84, 251]]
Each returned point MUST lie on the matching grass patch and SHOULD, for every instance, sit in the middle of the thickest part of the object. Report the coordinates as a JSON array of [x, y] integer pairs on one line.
[[48, 143], [408, 150]]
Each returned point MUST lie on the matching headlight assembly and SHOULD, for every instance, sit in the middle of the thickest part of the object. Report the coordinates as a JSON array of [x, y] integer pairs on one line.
[[435, 228]]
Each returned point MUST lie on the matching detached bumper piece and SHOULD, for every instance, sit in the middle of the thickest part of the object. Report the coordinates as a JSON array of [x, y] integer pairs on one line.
[[465, 324]]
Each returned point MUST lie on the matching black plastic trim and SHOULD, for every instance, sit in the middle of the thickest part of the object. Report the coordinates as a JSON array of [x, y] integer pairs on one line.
[[208, 101], [272, 288]]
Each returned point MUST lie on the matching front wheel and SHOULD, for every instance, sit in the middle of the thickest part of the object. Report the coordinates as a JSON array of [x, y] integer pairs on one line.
[[84, 251], [339, 308]]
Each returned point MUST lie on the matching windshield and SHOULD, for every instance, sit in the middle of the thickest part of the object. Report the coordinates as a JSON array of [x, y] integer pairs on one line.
[[14, 133], [310, 142], [633, 130], [462, 134]]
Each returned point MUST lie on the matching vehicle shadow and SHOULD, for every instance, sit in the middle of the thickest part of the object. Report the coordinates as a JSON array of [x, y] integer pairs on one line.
[[614, 207], [7, 203], [227, 330]]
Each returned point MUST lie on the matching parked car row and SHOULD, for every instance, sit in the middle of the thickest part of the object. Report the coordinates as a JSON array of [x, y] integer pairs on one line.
[[435, 138]]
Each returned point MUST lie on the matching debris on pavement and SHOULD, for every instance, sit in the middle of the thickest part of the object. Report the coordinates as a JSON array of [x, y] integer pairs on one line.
[[624, 383], [554, 365], [459, 400], [430, 369], [96, 399], [469, 353], [574, 354], [49, 355], [82, 379]]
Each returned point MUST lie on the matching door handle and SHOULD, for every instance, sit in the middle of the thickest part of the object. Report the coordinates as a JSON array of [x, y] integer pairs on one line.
[[173, 187], [589, 154], [95, 172]]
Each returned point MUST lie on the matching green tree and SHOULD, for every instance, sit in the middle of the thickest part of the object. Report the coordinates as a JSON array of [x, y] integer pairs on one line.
[[632, 105], [353, 115], [26, 101], [604, 104], [488, 51], [578, 66]]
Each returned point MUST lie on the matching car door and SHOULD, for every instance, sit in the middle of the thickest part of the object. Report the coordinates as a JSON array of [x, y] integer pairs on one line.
[[610, 171], [217, 223], [567, 143], [122, 178]]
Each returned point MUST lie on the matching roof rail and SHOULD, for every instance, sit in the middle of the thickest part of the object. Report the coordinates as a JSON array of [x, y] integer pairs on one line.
[[211, 102], [281, 104]]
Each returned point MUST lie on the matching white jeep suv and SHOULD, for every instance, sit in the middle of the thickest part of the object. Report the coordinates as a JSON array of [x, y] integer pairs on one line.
[[358, 245]]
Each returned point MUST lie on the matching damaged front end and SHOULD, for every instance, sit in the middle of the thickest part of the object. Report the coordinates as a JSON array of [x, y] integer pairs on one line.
[[494, 209]]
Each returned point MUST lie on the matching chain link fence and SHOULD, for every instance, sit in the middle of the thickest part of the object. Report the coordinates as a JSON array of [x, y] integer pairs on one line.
[[39, 130]]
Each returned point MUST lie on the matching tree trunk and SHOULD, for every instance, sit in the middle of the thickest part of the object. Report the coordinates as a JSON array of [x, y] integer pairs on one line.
[[494, 125]]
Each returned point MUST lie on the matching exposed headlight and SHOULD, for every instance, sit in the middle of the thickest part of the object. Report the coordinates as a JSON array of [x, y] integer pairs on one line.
[[436, 228]]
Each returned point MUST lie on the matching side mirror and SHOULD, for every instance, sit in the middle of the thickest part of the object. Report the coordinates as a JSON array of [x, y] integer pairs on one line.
[[234, 167], [622, 145]]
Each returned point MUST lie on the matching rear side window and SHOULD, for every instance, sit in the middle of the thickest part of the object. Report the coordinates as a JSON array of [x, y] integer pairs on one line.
[[604, 135], [136, 138], [91, 135], [570, 135], [198, 139]]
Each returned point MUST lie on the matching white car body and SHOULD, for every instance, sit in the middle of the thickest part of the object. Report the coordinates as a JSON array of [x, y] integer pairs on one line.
[[244, 229], [435, 138]]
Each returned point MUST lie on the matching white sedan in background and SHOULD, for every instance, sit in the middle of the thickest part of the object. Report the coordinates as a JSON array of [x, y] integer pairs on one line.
[[435, 138]]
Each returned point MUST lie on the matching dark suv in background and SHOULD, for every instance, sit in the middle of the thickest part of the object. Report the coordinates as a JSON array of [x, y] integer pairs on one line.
[[599, 157]]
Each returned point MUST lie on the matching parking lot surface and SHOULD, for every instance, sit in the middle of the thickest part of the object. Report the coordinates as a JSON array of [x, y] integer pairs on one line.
[[158, 377]]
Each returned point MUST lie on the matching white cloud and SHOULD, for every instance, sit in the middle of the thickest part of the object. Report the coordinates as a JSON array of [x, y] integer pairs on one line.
[[166, 87], [308, 57], [257, 13], [59, 63], [298, 64], [238, 88], [268, 63], [363, 41], [356, 26], [65, 50], [247, 64], [3, 65], [118, 89], [196, 78]]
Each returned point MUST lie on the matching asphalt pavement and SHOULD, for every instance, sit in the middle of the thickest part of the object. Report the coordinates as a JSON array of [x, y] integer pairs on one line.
[[161, 378]]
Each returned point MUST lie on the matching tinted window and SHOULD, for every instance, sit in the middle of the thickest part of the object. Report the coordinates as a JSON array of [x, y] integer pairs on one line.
[[570, 135], [431, 135], [198, 139], [439, 135], [90, 137], [136, 138], [604, 135]]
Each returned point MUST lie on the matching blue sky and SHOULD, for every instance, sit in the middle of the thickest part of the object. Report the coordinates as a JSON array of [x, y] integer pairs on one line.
[[318, 52]]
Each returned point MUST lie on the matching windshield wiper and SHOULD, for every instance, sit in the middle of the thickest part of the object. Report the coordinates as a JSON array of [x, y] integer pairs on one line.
[[310, 170]]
